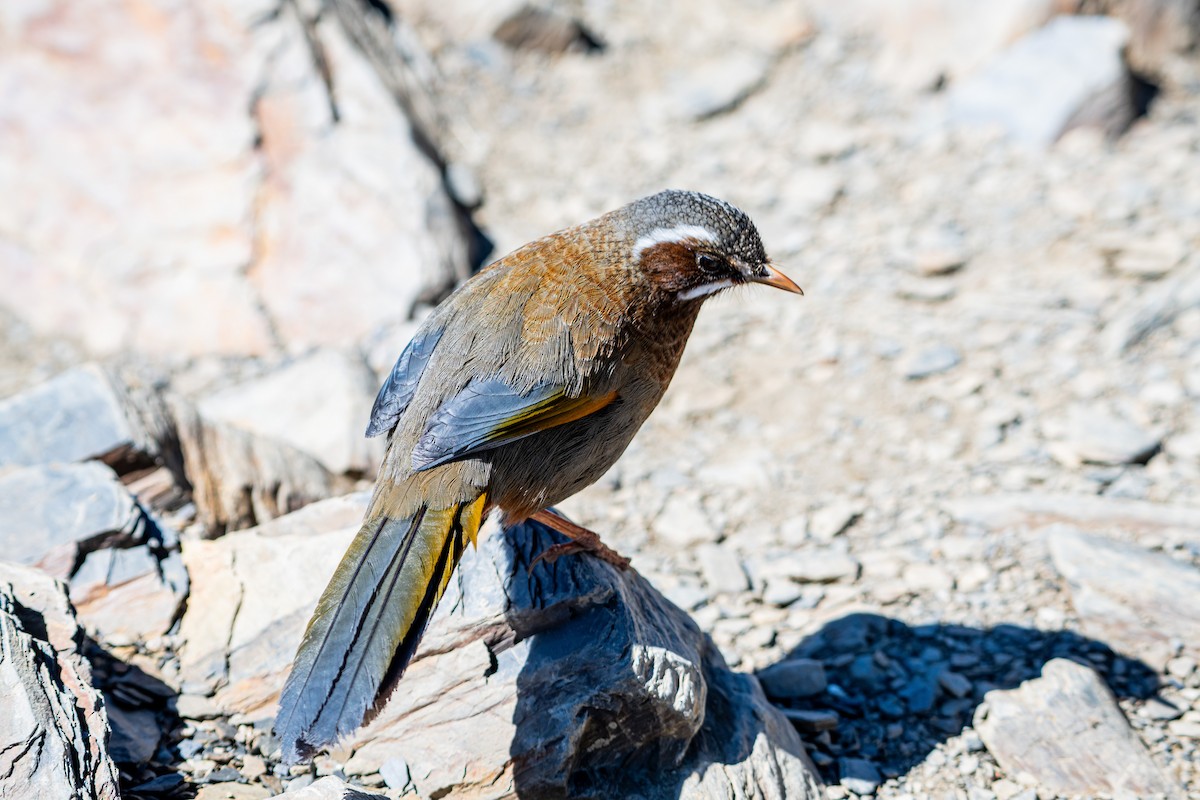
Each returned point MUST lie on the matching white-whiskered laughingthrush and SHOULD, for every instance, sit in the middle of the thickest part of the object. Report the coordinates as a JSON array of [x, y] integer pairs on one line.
[[521, 388]]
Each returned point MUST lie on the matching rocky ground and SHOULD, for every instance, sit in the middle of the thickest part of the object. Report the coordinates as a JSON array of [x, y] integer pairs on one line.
[[946, 506]]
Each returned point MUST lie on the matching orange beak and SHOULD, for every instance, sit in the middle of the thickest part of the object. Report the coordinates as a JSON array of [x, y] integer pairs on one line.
[[774, 277]]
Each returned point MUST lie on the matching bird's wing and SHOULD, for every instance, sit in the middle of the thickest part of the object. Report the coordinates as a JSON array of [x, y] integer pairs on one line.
[[401, 383], [488, 413]]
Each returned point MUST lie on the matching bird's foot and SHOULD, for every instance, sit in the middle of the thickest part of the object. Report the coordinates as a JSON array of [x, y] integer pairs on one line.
[[582, 541]]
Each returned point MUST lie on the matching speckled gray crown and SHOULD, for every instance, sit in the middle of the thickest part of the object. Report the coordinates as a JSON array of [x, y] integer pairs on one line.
[[674, 208]]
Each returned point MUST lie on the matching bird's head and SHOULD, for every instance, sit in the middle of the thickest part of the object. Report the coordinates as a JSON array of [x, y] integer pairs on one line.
[[691, 246]]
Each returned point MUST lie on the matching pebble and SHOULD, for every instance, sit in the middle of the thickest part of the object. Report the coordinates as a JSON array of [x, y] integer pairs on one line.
[[800, 677], [833, 519], [721, 569], [929, 361], [927, 578], [683, 523], [859, 776], [811, 721]]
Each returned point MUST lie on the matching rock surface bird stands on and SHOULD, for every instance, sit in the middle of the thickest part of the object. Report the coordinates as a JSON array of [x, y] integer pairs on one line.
[[941, 509]]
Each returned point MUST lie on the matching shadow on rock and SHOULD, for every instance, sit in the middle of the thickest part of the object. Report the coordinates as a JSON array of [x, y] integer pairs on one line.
[[142, 716], [619, 694], [899, 690]]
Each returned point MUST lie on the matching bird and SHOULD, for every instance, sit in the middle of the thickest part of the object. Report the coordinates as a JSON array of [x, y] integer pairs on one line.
[[521, 388]]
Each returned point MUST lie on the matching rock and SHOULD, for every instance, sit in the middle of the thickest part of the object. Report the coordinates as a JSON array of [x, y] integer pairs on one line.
[[1085, 511], [513, 664], [1143, 314], [1128, 596], [721, 569], [683, 523], [130, 594], [1160, 30], [830, 520], [1066, 731], [929, 361], [797, 677], [251, 597], [332, 273], [1067, 73], [135, 734], [241, 791], [716, 85], [55, 727], [235, 478], [544, 29], [318, 404], [817, 566], [923, 43], [859, 775], [927, 578], [1097, 437], [1146, 258], [669, 686], [329, 788], [53, 516], [201, 216], [811, 720], [238, 479], [940, 251], [81, 414]]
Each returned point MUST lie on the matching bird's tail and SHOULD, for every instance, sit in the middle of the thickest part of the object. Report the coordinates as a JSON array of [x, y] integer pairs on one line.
[[368, 621]]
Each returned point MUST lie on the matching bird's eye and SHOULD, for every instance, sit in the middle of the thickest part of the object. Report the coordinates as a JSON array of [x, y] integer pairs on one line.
[[708, 263]]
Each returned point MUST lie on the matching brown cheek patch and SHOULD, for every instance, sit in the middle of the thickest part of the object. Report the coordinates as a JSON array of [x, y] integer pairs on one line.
[[670, 266]]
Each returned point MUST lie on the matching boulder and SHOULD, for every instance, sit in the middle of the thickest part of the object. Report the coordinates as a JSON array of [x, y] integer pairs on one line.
[[238, 178], [318, 404], [557, 682], [54, 729], [1069, 73]]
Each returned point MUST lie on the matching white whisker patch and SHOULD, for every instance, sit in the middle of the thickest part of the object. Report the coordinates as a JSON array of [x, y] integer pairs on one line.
[[667, 235], [703, 290]]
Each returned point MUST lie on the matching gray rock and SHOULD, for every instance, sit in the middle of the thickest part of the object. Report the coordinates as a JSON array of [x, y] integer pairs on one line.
[[1081, 510], [1066, 731], [129, 594], [797, 677], [929, 361], [328, 788], [818, 566], [1049, 81], [544, 29], [830, 520], [135, 734], [521, 664], [1129, 597], [721, 569], [52, 516], [77, 415], [1143, 314], [1097, 437], [811, 720], [714, 86], [318, 404], [240, 480], [231, 245], [859, 775], [684, 523], [54, 730]]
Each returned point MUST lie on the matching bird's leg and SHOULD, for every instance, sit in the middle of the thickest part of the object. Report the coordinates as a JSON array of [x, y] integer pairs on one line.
[[582, 541]]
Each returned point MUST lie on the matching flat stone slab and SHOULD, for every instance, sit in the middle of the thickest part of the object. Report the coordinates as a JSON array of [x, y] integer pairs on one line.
[[1066, 730], [1136, 600]]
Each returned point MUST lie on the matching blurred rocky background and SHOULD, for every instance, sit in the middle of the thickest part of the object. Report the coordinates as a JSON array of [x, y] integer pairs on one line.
[[935, 527]]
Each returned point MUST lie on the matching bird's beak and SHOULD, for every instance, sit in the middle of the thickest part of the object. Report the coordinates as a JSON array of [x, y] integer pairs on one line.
[[773, 277]]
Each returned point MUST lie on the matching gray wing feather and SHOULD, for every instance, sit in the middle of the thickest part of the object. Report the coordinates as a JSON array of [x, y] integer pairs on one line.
[[401, 383], [468, 422]]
